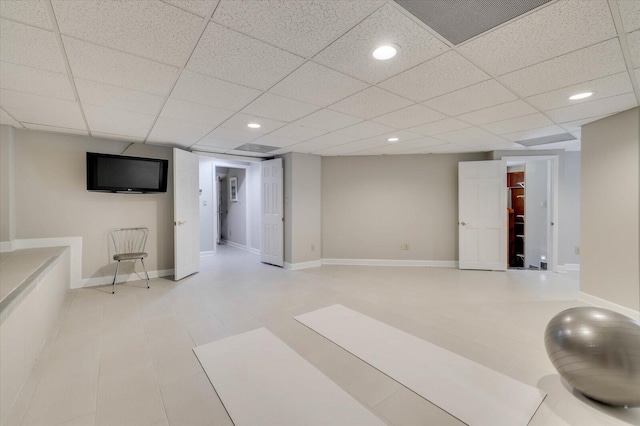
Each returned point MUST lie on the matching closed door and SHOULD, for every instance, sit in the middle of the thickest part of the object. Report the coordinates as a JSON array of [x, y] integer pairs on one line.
[[186, 213], [272, 250], [482, 215]]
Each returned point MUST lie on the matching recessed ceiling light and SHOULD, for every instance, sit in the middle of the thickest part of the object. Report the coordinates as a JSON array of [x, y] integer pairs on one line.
[[580, 96], [392, 140], [384, 52], [253, 125]]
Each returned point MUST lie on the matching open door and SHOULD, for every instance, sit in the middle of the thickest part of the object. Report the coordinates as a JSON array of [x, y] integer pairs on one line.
[[482, 215], [272, 250], [186, 214]]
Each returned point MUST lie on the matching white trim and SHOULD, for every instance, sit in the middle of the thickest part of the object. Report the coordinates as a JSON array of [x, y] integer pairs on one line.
[[124, 278], [596, 301], [6, 246], [75, 253], [254, 250], [207, 253], [236, 245], [303, 265], [572, 267], [392, 262]]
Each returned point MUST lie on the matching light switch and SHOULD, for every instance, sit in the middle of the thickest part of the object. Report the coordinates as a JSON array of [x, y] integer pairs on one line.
[[204, 202]]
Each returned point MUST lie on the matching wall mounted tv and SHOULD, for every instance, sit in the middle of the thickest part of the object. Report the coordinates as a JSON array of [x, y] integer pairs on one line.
[[132, 175]]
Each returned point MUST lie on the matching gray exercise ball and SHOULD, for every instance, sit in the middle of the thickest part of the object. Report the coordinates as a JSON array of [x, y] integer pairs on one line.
[[598, 352]]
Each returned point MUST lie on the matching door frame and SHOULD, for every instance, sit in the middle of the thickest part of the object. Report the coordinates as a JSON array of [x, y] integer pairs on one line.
[[554, 162]]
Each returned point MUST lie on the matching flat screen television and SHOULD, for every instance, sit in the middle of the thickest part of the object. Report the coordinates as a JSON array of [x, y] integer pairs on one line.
[[132, 175]]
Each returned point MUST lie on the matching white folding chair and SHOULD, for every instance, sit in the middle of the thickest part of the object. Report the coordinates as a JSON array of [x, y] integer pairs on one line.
[[129, 244]]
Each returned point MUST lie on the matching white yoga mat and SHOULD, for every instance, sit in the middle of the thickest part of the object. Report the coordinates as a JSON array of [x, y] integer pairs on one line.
[[465, 389], [263, 382]]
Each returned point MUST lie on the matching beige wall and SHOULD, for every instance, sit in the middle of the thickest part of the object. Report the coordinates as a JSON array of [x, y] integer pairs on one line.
[[609, 205], [373, 204], [51, 199], [7, 207]]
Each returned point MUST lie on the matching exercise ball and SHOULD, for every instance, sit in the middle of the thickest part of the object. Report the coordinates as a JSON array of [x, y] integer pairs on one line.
[[598, 352]]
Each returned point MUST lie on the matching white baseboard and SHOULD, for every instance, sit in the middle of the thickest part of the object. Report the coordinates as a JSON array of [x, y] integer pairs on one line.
[[236, 245], [254, 250], [6, 246], [124, 278], [75, 253], [569, 267], [302, 265], [596, 301], [207, 253], [392, 262]]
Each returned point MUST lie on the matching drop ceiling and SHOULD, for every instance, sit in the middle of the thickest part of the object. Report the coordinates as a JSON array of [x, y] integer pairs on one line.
[[194, 73]]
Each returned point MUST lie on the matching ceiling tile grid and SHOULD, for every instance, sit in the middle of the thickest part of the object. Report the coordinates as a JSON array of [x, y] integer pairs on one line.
[[54, 129], [300, 27], [472, 98], [553, 30], [366, 129], [471, 137], [630, 14], [500, 112], [205, 90], [33, 12], [534, 133], [594, 108], [198, 7], [184, 133], [240, 121], [410, 116], [526, 122], [124, 123], [633, 40], [27, 108], [136, 27], [437, 127], [279, 108], [351, 53], [444, 74], [297, 133], [29, 46], [186, 111], [113, 97], [322, 142], [7, 120], [35, 81], [235, 57], [272, 140], [328, 120], [370, 103]]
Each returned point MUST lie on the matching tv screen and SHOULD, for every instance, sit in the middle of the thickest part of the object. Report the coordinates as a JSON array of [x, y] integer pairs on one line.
[[118, 173]]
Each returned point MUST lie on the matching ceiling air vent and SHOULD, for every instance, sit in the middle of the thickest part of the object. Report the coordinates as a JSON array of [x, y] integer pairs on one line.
[[253, 147], [562, 137], [460, 20]]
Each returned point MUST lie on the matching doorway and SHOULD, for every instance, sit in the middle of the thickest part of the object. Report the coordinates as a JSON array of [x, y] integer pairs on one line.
[[532, 184]]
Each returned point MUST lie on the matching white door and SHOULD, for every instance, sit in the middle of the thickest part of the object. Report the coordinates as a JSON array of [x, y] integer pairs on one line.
[[272, 250], [482, 215], [186, 213]]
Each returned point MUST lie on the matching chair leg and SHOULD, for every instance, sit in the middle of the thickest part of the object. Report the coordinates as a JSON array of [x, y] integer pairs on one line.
[[145, 271], [113, 290]]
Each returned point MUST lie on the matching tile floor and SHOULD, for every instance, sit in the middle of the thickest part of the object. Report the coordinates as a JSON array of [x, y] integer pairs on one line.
[[126, 359]]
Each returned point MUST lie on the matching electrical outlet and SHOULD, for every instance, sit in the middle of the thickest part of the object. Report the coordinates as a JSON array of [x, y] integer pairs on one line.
[[313, 247], [577, 250], [404, 246]]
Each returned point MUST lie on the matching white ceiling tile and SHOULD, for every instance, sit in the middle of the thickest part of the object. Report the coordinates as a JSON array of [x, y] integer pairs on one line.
[[29, 46], [32, 12], [137, 27], [35, 81], [534, 133], [612, 85], [241, 120], [413, 115], [233, 135], [364, 130], [471, 137], [301, 27], [551, 31], [411, 146], [531, 121], [235, 57], [279, 108], [499, 112], [7, 120], [400, 134], [630, 13], [594, 108], [108, 66], [370, 103], [53, 129], [210, 141], [349, 148], [271, 140], [573, 126], [113, 97], [573, 145], [118, 122], [444, 74], [298, 133], [183, 133], [637, 72], [116, 137], [318, 85], [199, 7], [437, 127], [248, 153], [210, 91], [583, 65], [351, 53], [482, 95], [322, 142], [28, 108], [187, 111], [633, 40], [447, 148], [328, 120]]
